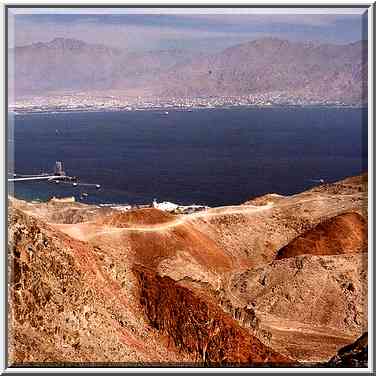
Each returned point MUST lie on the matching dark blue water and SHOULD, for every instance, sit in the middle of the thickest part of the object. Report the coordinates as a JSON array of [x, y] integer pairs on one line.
[[213, 157]]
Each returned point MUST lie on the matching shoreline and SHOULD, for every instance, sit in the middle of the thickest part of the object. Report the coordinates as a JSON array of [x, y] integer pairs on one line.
[[182, 109], [140, 205]]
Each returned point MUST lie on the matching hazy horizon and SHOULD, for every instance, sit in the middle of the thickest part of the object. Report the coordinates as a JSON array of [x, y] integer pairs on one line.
[[205, 30], [268, 55]]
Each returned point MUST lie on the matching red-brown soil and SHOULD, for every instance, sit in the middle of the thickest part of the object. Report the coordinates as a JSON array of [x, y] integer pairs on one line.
[[150, 248], [198, 327], [147, 216], [345, 233]]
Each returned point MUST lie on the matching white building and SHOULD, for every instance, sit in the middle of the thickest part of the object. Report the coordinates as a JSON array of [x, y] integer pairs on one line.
[[165, 206]]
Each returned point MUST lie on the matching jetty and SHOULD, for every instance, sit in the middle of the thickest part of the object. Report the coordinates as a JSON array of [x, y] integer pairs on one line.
[[57, 174]]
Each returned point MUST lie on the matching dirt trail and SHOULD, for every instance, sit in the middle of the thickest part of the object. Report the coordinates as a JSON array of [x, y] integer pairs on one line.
[[274, 322], [86, 231], [303, 342]]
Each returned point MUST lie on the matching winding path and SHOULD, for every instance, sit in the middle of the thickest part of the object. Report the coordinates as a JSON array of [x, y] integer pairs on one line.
[[89, 230]]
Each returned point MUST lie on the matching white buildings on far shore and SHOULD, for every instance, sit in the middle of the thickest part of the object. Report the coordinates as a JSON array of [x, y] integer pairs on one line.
[[178, 209], [164, 206]]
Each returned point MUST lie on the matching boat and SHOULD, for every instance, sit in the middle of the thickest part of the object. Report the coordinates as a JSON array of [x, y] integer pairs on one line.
[[74, 184], [97, 186]]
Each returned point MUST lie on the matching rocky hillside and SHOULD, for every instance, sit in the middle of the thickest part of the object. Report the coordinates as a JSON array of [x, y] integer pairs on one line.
[[74, 302], [95, 285]]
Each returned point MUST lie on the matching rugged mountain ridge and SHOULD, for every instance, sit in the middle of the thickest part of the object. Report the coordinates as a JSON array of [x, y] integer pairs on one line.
[[269, 65], [64, 65], [274, 65]]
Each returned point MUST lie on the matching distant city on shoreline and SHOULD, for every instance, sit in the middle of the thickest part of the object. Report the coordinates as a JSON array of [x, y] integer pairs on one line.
[[84, 102], [69, 74]]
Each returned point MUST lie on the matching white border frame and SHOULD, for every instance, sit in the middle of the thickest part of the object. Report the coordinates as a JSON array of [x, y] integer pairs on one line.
[[3, 317]]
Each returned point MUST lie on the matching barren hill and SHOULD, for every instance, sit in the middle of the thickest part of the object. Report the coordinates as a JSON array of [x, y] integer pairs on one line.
[[146, 286], [345, 233], [148, 216]]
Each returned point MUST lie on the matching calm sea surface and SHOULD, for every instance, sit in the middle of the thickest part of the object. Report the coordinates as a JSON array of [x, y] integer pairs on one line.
[[209, 156]]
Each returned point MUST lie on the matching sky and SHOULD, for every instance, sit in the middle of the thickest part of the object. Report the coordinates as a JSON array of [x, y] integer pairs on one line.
[[206, 30]]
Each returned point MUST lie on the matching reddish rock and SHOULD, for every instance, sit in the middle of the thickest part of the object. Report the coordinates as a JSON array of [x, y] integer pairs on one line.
[[345, 233]]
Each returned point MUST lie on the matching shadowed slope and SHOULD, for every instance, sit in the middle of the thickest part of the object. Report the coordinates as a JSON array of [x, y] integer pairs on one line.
[[353, 355], [197, 326]]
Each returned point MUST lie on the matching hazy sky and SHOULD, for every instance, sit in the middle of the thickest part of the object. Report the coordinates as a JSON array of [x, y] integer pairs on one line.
[[205, 30]]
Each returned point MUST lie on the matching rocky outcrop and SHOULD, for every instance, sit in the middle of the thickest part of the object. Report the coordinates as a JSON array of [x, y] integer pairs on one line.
[[353, 355]]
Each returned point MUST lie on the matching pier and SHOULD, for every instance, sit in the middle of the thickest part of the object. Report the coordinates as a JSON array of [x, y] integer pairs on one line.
[[57, 175], [40, 177]]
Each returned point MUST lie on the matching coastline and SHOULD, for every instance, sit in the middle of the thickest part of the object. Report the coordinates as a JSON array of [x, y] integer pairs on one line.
[[148, 149], [180, 109], [318, 185]]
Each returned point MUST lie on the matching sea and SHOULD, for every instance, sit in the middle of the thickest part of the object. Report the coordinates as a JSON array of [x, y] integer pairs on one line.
[[211, 157]]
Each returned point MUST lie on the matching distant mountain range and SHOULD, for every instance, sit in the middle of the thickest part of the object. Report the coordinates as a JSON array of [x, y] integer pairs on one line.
[[327, 72]]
